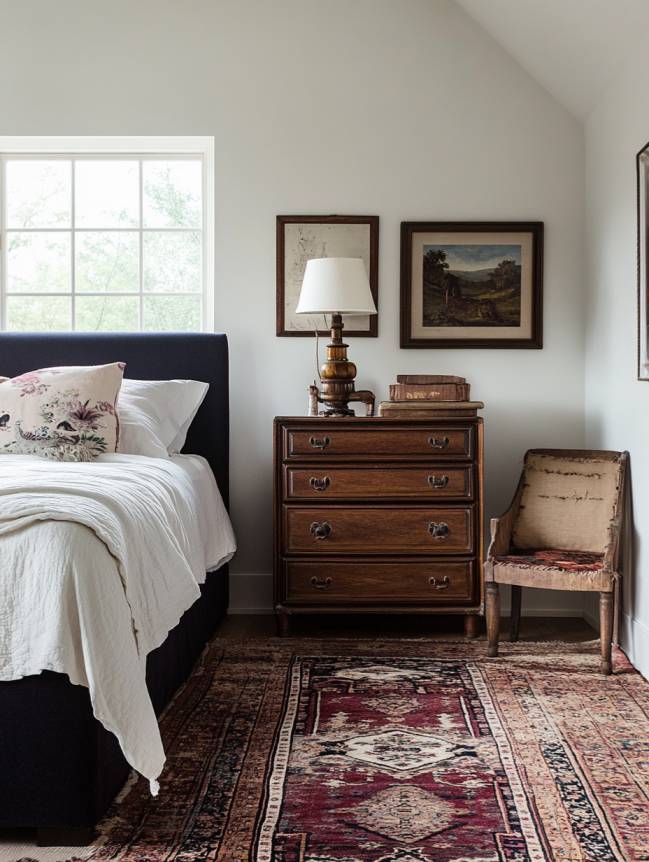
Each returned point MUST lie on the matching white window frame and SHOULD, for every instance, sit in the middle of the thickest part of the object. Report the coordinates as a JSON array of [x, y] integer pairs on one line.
[[118, 146]]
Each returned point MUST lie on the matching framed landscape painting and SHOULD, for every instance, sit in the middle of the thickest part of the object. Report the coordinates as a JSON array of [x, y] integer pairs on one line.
[[471, 284], [301, 238]]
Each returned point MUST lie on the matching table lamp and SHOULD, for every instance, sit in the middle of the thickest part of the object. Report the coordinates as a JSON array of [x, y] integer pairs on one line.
[[337, 286]]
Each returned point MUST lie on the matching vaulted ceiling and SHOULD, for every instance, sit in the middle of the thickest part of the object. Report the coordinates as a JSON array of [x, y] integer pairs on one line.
[[572, 47]]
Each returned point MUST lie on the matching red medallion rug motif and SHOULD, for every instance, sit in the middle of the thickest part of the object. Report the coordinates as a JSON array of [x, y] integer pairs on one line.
[[395, 751]]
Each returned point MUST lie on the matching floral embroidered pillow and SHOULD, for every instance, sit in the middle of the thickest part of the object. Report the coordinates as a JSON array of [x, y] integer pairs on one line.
[[66, 414]]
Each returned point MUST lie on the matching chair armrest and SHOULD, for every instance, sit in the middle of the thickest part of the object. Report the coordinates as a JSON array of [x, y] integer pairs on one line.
[[503, 527], [613, 552], [613, 546], [501, 533]]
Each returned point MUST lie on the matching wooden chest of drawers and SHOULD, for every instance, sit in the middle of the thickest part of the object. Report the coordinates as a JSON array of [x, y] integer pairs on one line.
[[378, 515]]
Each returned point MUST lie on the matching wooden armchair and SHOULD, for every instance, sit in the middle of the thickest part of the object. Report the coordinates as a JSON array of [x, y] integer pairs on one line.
[[561, 532]]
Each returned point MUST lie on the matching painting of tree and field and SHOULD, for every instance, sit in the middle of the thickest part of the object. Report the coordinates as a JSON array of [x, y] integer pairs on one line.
[[471, 285]]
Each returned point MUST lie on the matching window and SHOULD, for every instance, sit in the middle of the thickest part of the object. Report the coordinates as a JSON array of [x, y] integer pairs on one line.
[[104, 240]]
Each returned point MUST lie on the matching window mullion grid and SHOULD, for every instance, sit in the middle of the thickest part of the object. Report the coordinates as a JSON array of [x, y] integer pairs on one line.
[[73, 242], [73, 158]]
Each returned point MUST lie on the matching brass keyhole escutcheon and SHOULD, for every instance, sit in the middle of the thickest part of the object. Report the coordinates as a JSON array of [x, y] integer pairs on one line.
[[319, 442], [321, 583], [438, 442], [438, 531], [320, 531], [440, 585], [438, 481]]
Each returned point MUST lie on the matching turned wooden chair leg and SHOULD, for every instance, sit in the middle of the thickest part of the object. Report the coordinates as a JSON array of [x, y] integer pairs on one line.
[[493, 617], [515, 622], [606, 605], [617, 611]]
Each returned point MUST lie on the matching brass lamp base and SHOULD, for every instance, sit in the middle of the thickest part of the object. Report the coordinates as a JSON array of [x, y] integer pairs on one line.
[[337, 375]]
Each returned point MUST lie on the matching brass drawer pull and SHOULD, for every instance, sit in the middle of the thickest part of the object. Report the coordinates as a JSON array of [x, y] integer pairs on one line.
[[438, 442], [438, 531], [438, 481], [444, 584], [320, 531], [321, 583], [319, 484], [319, 442]]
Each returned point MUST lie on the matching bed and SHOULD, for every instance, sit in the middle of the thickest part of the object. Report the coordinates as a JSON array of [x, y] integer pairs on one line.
[[59, 767]]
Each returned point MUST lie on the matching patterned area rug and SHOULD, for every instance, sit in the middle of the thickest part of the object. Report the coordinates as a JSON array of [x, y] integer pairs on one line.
[[395, 751]]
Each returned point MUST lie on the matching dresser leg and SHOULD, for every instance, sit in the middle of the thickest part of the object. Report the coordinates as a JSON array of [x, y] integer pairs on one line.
[[283, 624], [471, 622]]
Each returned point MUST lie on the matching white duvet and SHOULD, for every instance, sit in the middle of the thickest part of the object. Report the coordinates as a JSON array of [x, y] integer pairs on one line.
[[98, 561]]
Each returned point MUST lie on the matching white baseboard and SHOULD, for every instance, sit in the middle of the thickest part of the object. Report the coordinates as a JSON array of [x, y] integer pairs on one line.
[[251, 593], [557, 613], [246, 611], [634, 636]]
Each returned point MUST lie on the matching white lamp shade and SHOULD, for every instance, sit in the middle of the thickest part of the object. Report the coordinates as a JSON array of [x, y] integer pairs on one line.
[[335, 284]]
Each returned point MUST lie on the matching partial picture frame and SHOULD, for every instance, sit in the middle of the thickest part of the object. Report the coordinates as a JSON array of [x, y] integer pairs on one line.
[[642, 178], [471, 285], [301, 238]]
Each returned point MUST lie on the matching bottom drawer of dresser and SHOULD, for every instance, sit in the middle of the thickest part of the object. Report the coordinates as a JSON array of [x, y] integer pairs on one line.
[[356, 582]]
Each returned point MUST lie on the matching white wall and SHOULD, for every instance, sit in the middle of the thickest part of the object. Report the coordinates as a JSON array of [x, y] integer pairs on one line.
[[402, 109], [617, 405]]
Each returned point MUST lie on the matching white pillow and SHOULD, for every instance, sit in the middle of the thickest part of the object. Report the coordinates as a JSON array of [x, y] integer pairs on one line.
[[155, 415]]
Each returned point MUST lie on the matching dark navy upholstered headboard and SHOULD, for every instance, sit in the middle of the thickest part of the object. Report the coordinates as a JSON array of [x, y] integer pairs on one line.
[[148, 356]]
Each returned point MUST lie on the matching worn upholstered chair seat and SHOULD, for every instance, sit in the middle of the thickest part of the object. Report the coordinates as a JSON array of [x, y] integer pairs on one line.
[[554, 558], [562, 532], [560, 569]]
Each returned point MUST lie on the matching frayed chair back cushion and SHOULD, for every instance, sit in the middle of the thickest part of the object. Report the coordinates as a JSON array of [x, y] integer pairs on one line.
[[66, 414], [566, 503]]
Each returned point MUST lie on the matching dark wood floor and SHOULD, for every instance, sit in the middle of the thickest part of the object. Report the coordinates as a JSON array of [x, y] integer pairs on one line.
[[367, 626]]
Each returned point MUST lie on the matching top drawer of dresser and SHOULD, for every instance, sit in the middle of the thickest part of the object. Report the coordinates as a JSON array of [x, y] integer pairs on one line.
[[381, 443]]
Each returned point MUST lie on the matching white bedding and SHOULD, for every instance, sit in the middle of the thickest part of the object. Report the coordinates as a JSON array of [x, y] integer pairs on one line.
[[98, 562]]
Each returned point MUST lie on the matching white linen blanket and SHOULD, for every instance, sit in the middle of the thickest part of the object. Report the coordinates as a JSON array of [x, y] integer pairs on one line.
[[98, 561]]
